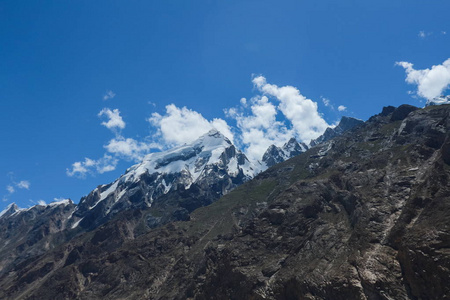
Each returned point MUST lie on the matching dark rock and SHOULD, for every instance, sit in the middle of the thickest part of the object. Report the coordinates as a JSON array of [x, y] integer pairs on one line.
[[387, 110], [401, 112], [181, 214]]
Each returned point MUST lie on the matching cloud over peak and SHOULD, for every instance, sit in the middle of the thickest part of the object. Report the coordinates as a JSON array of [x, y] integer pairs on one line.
[[272, 116], [182, 125], [128, 148], [90, 166], [303, 113], [431, 83]]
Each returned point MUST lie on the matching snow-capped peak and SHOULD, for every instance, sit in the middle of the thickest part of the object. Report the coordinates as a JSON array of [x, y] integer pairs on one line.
[[190, 157], [292, 148], [210, 160], [9, 210], [13, 209]]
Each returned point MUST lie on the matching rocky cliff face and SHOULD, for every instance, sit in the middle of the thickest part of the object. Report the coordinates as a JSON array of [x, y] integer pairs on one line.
[[365, 215]]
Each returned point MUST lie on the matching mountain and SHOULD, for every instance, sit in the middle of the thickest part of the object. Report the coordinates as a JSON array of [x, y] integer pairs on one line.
[[345, 124], [364, 215], [198, 173], [275, 155], [172, 183]]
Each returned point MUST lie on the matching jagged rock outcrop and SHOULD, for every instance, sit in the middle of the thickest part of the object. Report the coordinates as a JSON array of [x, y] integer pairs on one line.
[[344, 125], [362, 216]]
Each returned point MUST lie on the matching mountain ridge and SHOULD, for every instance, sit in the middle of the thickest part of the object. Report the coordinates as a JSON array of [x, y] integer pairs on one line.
[[362, 216], [141, 201]]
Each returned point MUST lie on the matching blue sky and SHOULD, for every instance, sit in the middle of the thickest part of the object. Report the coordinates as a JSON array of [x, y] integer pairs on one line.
[[153, 65]]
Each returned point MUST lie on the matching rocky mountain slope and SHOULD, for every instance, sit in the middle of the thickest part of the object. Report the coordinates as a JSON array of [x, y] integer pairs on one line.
[[173, 183], [26, 233], [362, 216]]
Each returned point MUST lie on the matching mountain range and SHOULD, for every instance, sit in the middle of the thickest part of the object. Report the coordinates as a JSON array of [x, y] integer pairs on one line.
[[362, 213]]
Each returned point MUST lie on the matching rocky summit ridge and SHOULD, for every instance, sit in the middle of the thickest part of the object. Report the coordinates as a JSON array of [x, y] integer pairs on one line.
[[363, 215], [275, 155]]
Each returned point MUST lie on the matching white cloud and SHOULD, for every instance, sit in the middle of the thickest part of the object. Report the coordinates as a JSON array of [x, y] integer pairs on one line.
[[10, 189], [129, 148], [256, 120], [59, 199], [327, 102], [342, 108], [24, 184], [109, 95], [259, 129], [81, 168], [41, 202], [303, 113], [115, 120], [423, 34], [430, 83], [272, 117], [182, 125]]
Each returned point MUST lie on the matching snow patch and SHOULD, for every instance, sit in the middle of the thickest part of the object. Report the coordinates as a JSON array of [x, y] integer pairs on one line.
[[106, 193], [74, 225]]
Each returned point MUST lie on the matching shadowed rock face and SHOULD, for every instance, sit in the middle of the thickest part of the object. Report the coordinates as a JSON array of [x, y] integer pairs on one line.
[[363, 216], [344, 125]]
